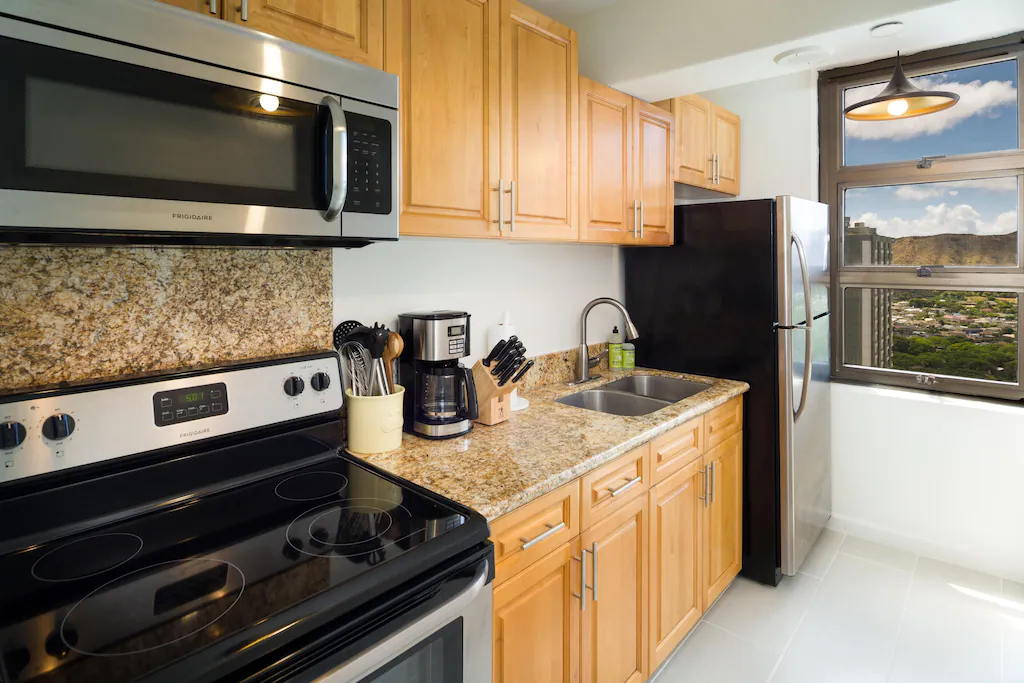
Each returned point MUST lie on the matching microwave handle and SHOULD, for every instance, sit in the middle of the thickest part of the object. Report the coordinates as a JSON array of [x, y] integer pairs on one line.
[[338, 153]]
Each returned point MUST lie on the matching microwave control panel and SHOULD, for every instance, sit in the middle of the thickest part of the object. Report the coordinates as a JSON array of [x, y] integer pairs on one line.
[[369, 164]]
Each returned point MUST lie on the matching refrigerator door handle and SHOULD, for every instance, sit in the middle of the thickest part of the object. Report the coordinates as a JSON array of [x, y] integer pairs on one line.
[[809, 313]]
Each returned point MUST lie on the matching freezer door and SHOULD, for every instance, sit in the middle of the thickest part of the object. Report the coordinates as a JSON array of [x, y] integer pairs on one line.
[[804, 392]]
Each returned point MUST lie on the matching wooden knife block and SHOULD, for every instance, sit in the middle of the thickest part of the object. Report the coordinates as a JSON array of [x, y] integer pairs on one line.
[[495, 405]]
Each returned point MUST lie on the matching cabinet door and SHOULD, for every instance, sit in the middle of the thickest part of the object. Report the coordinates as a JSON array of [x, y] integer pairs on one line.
[[726, 143], [652, 163], [606, 157], [539, 123], [723, 522], [445, 54], [202, 6], [614, 646], [537, 621], [692, 115], [353, 29], [677, 596]]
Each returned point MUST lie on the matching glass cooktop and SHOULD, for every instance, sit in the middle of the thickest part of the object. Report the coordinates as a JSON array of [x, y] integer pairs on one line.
[[191, 571]]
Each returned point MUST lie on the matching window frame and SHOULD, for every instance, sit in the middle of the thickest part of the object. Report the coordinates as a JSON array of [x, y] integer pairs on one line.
[[835, 179]]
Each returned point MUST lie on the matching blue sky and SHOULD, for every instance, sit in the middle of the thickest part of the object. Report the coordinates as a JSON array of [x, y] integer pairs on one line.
[[986, 119]]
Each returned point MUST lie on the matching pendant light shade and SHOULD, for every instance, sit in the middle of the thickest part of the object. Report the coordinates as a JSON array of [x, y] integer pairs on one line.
[[901, 99]]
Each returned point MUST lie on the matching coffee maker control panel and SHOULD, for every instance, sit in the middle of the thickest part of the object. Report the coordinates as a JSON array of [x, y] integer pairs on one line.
[[436, 335]]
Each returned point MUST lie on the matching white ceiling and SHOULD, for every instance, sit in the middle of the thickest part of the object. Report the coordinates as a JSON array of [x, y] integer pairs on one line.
[[655, 49]]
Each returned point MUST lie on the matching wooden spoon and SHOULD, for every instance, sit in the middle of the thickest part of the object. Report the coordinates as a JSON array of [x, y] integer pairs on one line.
[[393, 350]]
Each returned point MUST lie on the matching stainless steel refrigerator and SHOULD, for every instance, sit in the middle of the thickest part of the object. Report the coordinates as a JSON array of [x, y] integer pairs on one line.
[[743, 294]]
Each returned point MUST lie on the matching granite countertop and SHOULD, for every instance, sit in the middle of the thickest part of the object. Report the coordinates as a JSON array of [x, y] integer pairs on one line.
[[495, 470]]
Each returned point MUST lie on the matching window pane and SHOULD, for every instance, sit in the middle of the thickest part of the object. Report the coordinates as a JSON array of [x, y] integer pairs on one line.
[[955, 223], [953, 333], [986, 119]]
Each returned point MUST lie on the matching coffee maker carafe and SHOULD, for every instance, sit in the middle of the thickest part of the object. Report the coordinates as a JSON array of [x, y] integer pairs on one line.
[[440, 396]]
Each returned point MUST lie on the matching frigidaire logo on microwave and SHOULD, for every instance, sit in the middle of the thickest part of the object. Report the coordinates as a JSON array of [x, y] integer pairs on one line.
[[192, 216]]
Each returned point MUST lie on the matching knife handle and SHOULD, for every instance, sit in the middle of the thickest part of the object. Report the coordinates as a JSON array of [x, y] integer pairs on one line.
[[495, 352], [509, 361], [523, 370], [509, 371]]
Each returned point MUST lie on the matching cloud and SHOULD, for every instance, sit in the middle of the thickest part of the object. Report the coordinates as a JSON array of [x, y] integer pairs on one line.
[[977, 98], [942, 219], [922, 191]]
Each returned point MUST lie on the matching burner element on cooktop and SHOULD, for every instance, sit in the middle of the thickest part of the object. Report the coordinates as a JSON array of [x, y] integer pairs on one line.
[[311, 486], [86, 557], [193, 594], [348, 528]]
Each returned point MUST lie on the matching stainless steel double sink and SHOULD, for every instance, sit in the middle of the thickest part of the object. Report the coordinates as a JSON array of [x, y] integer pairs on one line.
[[634, 395]]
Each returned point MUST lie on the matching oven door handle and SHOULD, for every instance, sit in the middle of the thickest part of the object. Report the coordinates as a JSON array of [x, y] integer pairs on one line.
[[338, 152], [365, 663]]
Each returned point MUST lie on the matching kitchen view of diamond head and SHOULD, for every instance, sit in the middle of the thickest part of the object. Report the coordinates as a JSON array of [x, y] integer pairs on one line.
[[967, 223]]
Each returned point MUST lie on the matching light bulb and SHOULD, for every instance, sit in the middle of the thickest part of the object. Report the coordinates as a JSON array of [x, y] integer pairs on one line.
[[898, 107], [270, 102]]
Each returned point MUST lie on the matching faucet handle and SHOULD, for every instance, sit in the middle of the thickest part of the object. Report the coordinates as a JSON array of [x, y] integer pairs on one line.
[[594, 361]]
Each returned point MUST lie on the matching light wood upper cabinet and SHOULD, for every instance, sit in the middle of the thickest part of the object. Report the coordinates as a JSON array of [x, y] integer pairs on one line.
[[445, 54], [606, 163], [202, 6], [353, 29], [723, 521], [537, 621], [652, 132], [725, 145], [615, 620], [539, 124], [707, 144]]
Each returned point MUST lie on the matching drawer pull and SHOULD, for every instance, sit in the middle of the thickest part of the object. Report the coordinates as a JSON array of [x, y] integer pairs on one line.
[[622, 489], [552, 530]]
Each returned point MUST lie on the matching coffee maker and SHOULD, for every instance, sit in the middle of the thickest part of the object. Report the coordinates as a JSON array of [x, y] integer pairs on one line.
[[440, 396]]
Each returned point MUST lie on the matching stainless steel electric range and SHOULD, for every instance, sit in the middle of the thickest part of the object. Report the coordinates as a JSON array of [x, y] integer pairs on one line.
[[208, 526]]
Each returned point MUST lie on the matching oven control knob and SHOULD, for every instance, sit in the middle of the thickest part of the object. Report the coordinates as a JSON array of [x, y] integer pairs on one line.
[[320, 381], [293, 386], [58, 426], [11, 435]]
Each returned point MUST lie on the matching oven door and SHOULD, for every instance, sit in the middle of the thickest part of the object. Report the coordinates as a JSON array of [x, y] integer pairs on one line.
[[103, 139], [450, 644]]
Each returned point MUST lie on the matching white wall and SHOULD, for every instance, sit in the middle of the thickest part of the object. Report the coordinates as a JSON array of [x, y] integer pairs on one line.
[[543, 286], [937, 475], [778, 134]]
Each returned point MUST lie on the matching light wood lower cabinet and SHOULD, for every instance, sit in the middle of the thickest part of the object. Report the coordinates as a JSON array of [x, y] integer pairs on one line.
[[676, 550], [648, 561], [537, 622], [615, 617], [723, 521]]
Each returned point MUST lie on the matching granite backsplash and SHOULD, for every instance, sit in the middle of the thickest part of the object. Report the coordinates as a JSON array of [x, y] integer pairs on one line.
[[74, 313]]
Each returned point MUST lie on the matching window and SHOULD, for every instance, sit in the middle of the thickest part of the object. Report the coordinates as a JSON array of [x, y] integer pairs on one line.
[[927, 250]]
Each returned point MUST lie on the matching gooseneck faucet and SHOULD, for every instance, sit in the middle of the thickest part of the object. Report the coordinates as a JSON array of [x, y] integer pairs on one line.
[[585, 362]]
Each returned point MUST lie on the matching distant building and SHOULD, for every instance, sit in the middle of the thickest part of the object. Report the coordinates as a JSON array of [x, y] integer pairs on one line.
[[868, 333]]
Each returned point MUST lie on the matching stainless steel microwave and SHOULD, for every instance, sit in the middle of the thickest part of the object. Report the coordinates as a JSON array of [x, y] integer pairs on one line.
[[132, 122]]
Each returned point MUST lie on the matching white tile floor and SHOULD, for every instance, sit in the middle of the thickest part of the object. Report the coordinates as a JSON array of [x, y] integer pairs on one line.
[[859, 612]]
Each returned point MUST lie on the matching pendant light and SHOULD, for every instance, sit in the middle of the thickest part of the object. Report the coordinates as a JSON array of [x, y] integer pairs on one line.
[[901, 99]]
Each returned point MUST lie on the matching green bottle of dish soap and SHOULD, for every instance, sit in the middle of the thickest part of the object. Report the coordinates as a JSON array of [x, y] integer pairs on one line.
[[628, 356], [615, 349]]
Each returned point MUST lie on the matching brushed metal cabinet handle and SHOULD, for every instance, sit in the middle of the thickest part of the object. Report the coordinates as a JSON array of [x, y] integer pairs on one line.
[[552, 530], [622, 489], [512, 222], [641, 219], [582, 595], [593, 569], [245, 10], [636, 208], [711, 488], [500, 189], [213, 6]]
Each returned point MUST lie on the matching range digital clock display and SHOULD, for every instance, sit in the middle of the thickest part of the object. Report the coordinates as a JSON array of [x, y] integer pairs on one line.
[[190, 403]]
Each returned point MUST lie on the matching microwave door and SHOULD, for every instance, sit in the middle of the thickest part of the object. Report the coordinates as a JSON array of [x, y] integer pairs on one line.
[[156, 144]]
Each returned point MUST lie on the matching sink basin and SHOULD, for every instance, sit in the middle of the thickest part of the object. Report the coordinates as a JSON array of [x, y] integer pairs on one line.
[[613, 402], [653, 386]]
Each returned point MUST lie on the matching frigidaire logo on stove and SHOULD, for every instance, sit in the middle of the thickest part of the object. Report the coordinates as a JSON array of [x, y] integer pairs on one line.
[[192, 216], [195, 432]]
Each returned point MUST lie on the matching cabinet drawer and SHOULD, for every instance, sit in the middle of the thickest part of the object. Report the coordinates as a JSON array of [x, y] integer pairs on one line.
[[611, 486], [723, 422], [525, 535], [676, 448]]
